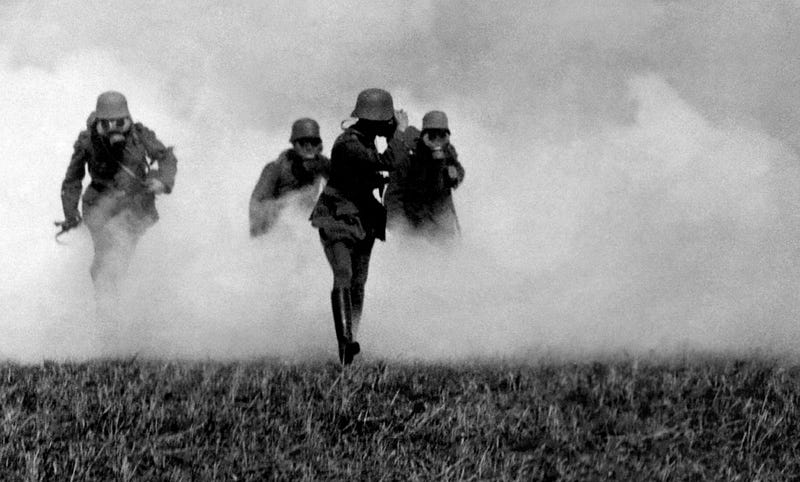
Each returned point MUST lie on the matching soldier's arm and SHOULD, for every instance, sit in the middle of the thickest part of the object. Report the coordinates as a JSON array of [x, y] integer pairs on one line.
[[72, 185], [404, 155], [355, 152], [400, 148], [267, 184], [167, 162], [262, 209], [451, 160], [409, 137], [323, 174], [324, 167]]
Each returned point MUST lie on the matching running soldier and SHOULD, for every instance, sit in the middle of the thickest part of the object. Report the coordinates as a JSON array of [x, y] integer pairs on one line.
[[119, 203], [348, 215], [419, 194], [298, 169]]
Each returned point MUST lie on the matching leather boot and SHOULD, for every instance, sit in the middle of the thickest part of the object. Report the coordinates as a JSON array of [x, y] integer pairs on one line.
[[337, 304], [343, 322], [357, 297]]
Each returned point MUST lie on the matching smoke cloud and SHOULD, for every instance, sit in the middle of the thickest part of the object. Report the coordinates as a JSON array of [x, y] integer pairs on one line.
[[632, 176]]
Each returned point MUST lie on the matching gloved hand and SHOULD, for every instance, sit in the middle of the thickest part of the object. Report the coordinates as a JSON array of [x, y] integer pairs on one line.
[[452, 173], [436, 145], [402, 120], [155, 186], [257, 230], [262, 215], [69, 223]]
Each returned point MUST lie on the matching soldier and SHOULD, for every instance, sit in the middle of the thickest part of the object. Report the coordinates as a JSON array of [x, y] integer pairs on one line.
[[419, 194], [348, 215], [299, 169], [119, 202]]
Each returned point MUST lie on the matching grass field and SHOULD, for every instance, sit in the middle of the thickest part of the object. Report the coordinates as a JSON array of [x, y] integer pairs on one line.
[[680, 419]]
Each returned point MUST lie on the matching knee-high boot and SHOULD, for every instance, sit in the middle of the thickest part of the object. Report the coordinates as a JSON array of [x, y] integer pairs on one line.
[[357, 297], [343, 322]]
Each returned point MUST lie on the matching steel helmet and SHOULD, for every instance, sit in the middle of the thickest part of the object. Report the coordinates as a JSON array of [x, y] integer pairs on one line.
[[374, 104], [111, 105], [305, 127], [435, 119]]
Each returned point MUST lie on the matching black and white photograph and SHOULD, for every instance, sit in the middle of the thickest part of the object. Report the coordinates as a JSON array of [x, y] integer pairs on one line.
[[551, 240]]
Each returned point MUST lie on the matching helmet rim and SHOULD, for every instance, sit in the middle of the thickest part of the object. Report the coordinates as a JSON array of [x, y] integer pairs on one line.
[[111, 105], [435, 119], [304, 127], [374, 104]]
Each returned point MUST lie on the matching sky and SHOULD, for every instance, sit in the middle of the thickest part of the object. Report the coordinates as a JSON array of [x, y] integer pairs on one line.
[[631, 176]]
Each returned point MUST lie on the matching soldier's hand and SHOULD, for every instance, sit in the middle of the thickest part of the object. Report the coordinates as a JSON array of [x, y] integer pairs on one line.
[[256, 231], [452, 173], [155, 186], [402, 120], [70, 222]]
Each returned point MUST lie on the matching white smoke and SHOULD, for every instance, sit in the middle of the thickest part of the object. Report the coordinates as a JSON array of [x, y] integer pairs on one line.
[[665, 234], [631, 176]]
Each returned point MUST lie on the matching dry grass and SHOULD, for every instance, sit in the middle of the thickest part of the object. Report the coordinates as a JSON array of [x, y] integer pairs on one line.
[[711, 419]]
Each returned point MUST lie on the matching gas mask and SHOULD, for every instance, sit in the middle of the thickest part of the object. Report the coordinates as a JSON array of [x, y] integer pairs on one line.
[[114, 130], [308, 147], [375, 128], [388, 128], [436, 139]]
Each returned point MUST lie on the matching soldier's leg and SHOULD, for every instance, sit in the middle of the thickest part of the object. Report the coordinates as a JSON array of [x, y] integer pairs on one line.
[[114, 243], [360, 267], [103, 243], [128, 229], [339, 257], [357, 298]]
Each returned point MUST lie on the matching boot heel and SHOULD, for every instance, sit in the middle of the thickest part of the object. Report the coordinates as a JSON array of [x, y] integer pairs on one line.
[[350, 351]]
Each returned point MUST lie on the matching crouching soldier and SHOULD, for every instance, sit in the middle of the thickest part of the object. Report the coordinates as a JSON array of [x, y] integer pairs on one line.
[[298, 169], [348, 215], [119, 203], [419, 194]]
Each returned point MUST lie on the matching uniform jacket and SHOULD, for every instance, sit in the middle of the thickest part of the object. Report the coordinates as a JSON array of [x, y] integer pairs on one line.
[[119, 175], [420, 190], [288, 173], [347, 208]]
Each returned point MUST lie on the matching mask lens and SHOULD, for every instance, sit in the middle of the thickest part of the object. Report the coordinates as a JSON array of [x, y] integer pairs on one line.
[[116, 124], [309, 141], [437, 134]]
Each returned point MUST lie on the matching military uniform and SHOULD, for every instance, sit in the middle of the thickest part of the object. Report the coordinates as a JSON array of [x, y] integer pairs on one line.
[[118, 189], [349, 219], [419, 193], [288, 173], [347, 209]]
